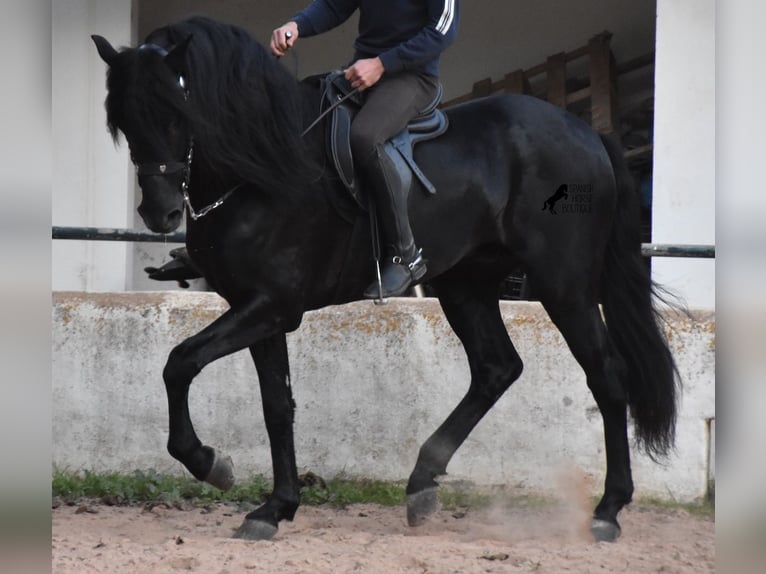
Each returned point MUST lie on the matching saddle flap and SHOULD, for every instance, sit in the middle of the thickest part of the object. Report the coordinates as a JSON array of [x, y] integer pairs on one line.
[[340, 146]]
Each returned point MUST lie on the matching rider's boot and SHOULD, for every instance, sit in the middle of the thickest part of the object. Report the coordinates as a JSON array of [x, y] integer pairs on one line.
[[403, 265]]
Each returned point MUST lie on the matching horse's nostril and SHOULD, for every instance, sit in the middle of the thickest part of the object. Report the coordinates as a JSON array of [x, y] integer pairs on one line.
[[175, 215]]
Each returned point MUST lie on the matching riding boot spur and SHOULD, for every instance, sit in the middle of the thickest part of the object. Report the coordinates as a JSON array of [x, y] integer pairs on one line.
[[403, 265]]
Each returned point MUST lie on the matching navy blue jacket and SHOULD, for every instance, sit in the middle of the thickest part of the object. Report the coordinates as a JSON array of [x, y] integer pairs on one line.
[[405, 34]]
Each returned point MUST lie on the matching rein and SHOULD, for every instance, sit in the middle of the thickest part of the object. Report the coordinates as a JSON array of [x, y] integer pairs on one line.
[[324, 113], [330, 109]]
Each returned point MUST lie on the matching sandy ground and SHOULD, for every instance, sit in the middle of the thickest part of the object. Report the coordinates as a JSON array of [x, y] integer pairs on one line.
[[375, 539]]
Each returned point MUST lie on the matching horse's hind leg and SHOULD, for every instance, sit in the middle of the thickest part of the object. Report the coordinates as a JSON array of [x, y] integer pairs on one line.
[[474, 314], [585, 333], [271, 362]]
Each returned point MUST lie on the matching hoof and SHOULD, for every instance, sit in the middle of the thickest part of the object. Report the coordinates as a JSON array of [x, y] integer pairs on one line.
[[255, 530], [421, 505], [604, 531], [221, 475]]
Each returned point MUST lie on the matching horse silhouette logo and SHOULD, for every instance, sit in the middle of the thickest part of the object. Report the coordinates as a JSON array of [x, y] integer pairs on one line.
[[550, 203]]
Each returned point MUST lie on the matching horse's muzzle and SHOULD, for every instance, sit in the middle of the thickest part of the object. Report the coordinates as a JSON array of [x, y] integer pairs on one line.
[[166, 223], [162, 214]]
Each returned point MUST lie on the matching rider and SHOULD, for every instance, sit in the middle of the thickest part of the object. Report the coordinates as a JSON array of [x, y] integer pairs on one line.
[[396, 64]]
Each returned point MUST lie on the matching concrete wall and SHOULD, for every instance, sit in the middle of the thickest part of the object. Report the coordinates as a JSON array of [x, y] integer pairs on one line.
[[371, 384]]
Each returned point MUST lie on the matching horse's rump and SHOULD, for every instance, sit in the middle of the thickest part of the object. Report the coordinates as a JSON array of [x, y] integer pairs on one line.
[[501, 158]]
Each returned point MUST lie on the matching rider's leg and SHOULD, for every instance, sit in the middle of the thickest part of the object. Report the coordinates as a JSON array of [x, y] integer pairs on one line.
[[388, 107]]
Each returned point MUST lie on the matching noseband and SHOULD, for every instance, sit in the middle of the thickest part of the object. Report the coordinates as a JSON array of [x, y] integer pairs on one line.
[[164, 169]]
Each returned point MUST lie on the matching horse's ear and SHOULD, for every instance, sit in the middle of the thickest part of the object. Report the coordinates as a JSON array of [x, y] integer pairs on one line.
[[176, 58], [105, 49]]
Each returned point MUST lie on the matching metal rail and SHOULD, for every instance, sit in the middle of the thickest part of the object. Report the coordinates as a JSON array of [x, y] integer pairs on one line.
[[111, 234], [671, 250]]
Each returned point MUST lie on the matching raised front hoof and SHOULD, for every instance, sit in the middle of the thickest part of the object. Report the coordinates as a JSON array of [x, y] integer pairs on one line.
[[605, 531], [255, 530], [421, 505], [221, 474]]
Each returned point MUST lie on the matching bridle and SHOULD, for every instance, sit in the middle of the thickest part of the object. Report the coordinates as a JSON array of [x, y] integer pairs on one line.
[[165, 169], [171, 168]]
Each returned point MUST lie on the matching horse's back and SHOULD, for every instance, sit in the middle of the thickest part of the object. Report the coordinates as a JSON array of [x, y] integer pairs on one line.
[[524, 128]]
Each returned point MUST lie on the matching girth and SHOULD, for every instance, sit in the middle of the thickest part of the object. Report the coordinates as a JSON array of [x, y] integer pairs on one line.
[[428, 124]]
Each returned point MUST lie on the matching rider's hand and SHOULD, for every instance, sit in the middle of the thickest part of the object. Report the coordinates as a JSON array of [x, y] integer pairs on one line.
[[364, 74], [280, 43]]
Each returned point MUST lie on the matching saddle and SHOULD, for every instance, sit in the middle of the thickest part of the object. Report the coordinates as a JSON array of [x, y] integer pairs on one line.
[[428, 124]]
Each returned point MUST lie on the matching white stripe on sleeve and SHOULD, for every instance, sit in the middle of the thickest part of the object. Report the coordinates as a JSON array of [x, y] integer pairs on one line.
[[445, 21]]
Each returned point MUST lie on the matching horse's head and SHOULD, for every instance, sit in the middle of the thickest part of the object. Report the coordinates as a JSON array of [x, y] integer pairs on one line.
[[147, 101]]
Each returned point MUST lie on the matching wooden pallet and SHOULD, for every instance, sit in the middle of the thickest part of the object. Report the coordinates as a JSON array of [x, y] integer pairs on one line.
[[600, 88]]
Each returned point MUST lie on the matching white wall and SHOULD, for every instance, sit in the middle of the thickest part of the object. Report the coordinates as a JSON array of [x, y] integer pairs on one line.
[[371, 384], [684, 144], [92, 181]]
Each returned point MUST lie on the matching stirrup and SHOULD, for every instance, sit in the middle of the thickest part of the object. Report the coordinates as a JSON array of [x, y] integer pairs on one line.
[[417, 260], [403, 274]]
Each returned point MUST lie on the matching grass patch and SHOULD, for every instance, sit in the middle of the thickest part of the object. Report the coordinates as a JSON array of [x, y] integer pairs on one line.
[[151, 487], [453, 499], [344, 491], [703, 509], [143, 487]]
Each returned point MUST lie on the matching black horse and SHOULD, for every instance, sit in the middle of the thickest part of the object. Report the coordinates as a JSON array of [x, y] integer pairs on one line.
[[280, 236]]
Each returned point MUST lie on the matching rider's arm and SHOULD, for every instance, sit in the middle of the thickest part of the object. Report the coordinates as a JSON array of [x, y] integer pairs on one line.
[[430, 42], [323, 15]]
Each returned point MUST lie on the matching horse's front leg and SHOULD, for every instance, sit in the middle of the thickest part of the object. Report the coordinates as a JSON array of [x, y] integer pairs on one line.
[[238, 328], [271, 362]]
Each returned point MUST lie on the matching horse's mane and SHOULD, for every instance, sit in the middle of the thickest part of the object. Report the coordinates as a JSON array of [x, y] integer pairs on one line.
[[247, 110]]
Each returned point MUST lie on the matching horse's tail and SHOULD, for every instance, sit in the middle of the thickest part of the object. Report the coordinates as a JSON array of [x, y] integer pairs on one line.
[[633, 322]]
